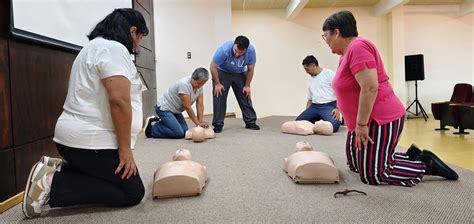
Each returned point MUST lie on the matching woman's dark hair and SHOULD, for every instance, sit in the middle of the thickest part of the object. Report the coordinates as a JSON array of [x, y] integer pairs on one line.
[[344, 21], [116, 26], [242, 42], [310, 59]]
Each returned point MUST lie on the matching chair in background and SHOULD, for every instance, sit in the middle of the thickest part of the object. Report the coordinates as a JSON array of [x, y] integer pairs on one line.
[[466, 112], [441, 110]]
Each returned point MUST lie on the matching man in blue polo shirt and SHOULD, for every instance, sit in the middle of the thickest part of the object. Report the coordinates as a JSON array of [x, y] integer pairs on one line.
[[233, 65]]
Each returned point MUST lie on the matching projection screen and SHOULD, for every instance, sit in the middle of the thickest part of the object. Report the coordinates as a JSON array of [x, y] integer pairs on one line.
[[59, 23]]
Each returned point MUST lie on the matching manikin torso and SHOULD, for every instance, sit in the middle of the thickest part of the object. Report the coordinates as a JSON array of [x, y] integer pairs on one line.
[[180, 177], [309, 166], [297, 127]]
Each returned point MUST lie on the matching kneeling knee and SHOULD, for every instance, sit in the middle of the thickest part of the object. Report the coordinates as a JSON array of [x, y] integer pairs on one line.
[[179, 134], [135, 196], [335, 128]]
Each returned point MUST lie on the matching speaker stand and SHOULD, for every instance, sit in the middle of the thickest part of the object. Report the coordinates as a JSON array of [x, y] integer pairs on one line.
[[417, 104]]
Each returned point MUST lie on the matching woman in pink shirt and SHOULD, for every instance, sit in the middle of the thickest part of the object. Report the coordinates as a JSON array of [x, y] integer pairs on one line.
[[373, 113]]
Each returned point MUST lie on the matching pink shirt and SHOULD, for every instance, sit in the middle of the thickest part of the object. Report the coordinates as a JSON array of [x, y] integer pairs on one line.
[[359, 54]]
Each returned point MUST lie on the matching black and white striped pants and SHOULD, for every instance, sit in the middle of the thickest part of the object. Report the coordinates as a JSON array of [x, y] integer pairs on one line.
[[379, 163]]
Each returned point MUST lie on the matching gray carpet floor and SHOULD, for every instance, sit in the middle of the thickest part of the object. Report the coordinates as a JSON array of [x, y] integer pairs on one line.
[[247, 185]]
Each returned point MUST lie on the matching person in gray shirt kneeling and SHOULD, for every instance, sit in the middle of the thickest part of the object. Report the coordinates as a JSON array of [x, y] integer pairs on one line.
[[179, 97]]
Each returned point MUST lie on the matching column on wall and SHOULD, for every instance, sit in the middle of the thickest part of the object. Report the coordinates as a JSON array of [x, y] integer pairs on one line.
[[396, 53]]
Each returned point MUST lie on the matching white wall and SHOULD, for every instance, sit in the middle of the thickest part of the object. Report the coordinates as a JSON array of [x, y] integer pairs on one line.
[[280, 83], [446, 41], [395, 62], [189, 25]]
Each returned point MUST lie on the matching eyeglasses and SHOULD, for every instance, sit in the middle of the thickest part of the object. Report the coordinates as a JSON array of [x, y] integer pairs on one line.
[[325, 35]]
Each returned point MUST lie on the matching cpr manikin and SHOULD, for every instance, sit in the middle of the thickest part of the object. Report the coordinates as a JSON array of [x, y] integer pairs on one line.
[[323, 128], [309, 166], [180, 177], [297, 127], [199, 134]]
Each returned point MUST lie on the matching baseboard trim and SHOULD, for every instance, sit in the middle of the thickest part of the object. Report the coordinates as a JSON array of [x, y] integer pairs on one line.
[[230, 114], [11, 202]]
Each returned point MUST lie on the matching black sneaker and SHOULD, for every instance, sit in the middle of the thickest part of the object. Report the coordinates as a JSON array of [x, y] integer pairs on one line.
[[436, 167], [148, 122], [217, 129], [414, 153], [252, 126]]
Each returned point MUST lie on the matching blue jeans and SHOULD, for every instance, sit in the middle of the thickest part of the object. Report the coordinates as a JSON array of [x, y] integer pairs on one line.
[[321, 111], [170, 125]]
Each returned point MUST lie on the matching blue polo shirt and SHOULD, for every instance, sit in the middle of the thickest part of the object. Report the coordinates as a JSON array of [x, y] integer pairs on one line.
[[227, 62]]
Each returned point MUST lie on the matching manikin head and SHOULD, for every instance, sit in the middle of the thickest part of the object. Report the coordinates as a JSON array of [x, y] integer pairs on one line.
[[199, 134], [303, 146], [323, 128], [182, 155]]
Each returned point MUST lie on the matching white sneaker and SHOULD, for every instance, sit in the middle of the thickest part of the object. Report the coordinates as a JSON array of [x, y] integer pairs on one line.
[[52, 162], [148, 125], [37, 190]]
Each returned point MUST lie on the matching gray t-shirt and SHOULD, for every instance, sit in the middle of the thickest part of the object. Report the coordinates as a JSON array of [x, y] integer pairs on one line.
[[170, 100]]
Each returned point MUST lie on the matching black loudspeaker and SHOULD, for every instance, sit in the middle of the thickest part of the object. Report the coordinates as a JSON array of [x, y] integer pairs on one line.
[[414, 67]]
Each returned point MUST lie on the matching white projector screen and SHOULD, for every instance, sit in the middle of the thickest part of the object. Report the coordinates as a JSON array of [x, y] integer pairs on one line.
[[61, 23]]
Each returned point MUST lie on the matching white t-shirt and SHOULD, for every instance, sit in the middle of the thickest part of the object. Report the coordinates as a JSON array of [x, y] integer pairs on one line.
[[170, 100], [86, 121], [320, 87]]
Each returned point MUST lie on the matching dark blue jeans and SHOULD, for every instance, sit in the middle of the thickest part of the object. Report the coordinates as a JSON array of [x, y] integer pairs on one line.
[[170, 126], [318, 112]]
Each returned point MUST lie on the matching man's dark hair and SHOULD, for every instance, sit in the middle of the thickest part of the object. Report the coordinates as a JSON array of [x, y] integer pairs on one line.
[[242, 42], [116, 26], [310, 59], [344, 21]]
